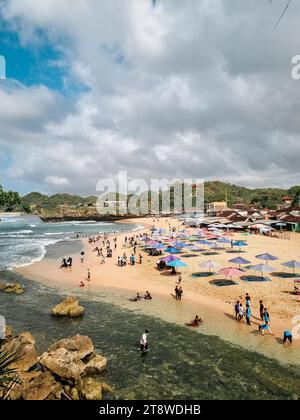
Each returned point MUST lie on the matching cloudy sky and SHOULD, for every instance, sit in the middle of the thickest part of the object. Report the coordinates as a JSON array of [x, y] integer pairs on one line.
[[165, 88]]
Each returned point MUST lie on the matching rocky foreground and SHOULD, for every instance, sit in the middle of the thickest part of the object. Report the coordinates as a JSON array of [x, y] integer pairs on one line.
[[69, 369]]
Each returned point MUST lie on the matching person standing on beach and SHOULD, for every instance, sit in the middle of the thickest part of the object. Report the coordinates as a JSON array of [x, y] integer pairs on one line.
[[144, 341], [180, 293], [237, 309], [261, 309], [248, 299], [141, 258], [176, 292], [248, 315], [266, 316], [88, 274], [179, 279], [241, 313]]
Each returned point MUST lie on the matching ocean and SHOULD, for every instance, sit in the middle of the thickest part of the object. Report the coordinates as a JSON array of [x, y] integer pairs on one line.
[[25, 239]]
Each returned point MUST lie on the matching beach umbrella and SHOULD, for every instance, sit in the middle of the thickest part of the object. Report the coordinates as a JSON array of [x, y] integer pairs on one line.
[[224, 241], [176, 264], [292, 264], [158, 246], [169, 258], [203, 242], [172, 250], [209, 265], [240, 244], [240, 261], [262, 268], [178, 244], [230, 272], [266, 257]]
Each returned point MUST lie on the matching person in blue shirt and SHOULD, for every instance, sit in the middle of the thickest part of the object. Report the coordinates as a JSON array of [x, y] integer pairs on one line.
[[287, 336], [248, 315], [265, 329], [266, 316]]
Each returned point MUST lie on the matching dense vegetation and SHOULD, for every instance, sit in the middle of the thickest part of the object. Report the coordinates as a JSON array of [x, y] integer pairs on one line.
[[214, 191]]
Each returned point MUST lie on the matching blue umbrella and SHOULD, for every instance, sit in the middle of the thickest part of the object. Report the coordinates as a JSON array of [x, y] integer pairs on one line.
[[204, 242], [177, 263], [240, 244], [172, 250], [224, 241], [266, 257], [158, 246], [239, 261], [178, 244]]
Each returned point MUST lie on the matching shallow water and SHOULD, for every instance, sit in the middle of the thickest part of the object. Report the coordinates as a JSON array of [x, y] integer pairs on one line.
[[180, 364]]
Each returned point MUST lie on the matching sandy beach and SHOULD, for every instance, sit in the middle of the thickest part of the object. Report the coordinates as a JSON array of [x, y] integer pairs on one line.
[[215, 303]]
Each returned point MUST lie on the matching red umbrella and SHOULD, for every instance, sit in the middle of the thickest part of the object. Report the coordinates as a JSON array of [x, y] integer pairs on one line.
[[231, 272]]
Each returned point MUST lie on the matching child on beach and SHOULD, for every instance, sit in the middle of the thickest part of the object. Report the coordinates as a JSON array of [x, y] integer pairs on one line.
[[241, 313], [266, 316], [248, 315]]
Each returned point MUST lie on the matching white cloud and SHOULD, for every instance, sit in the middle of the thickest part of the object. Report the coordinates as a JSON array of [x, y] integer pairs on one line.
[[200, 89]]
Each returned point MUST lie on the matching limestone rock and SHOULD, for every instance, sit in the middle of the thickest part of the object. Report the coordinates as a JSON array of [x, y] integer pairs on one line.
[[24, 346], [96, 364], [16, 288], [90, 389], [79, 345], [68, 307], [42, 387], [8, 332], [63, 363]]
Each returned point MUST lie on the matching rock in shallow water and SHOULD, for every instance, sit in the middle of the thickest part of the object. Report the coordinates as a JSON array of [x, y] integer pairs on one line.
[[63, 363], [16, 288], [79, 345], [68, 307]]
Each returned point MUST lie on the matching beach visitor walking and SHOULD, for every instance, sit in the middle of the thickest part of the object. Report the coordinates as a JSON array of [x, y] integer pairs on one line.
[[144, 341], [237, 309], [266, 316], [88, 274], [261, 309], [248, 315], [241, 313]]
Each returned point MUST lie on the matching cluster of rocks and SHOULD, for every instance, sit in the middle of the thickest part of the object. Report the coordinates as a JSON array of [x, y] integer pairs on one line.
[[68, 307], [67, 370], [16, 288]]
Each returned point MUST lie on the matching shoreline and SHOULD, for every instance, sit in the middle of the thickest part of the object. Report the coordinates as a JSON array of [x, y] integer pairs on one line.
[[215, 303]]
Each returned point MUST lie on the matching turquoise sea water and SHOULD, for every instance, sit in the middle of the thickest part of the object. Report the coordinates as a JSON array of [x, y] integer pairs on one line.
[[181, 364]]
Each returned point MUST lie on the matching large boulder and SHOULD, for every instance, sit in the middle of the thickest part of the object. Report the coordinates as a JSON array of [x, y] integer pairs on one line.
[[23, 345], [95, 364], [43, 386], [16, 288], [90, 389], [68, 307], [63, 363], [79, 345]]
